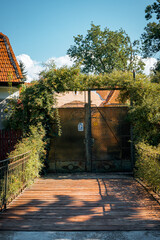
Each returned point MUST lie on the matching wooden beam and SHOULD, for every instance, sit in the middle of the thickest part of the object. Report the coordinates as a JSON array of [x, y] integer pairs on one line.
[[88, 136]]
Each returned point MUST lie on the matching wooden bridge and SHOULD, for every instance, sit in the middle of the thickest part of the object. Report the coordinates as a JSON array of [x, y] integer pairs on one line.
[[82, 202]]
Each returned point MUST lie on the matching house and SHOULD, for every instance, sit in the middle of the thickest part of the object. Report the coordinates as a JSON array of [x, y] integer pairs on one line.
[[10, 74], [100, 98], [110, 97]]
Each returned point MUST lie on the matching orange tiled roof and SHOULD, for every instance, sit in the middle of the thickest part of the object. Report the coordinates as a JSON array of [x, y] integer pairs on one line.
[[103, 93], [9, 68], [73, 104], [114, 97], [111, 97]]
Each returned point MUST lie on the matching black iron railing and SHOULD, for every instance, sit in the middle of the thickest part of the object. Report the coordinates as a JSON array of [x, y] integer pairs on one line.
[[12, 177]]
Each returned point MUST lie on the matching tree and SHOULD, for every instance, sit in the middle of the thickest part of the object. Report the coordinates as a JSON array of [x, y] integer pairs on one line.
[[155, 75], [104, 51], [23, 70], [151, 37]]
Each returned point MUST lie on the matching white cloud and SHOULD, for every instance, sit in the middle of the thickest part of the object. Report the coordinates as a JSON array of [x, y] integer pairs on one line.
[[33, 67], [150, 63], [62, 61]]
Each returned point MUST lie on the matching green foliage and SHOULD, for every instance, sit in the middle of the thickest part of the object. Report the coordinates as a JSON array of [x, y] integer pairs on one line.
[[104, 51], [154, 8], [155, 76], [36, 102], [71, 79], [62, 79], [150, 38], [35, 144], [23, 70], [145, 113], [33, 141], [35, 105], [148, 165]]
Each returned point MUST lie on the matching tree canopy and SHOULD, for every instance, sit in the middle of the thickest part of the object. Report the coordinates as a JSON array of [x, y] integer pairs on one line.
[[104, 51], [151, 36]]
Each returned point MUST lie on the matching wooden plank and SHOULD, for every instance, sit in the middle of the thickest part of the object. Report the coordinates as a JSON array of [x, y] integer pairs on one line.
[[83, 211], [83, 204]]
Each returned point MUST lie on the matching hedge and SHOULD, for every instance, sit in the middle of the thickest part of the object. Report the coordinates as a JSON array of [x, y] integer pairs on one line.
[[35, 144], [147, 165]]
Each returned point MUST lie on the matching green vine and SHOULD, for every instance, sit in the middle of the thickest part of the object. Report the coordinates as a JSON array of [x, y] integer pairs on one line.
[[37, 102]]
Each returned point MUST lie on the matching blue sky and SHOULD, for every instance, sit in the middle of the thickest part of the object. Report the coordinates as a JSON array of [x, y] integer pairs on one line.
[[44, 29]]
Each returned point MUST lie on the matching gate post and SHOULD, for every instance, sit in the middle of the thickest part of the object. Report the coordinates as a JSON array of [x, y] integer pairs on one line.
[[88, 140], [5, 185], [131, 133]]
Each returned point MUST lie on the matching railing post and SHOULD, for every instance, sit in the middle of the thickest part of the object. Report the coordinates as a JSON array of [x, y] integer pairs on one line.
[[14, 166], [131, 133], [22, 176], [88, 135], [6, 186]]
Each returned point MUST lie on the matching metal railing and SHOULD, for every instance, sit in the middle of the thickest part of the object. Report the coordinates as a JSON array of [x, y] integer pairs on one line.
[[12, 178]]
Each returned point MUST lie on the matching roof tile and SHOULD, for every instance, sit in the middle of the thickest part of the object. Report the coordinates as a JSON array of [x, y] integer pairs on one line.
[[9, 67]]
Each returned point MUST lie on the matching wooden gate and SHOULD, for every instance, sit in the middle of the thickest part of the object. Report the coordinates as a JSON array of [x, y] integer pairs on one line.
[[105, 149], [110, 137], [67, 153]]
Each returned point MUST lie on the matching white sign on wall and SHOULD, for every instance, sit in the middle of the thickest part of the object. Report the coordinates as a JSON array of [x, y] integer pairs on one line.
[[80, 127]]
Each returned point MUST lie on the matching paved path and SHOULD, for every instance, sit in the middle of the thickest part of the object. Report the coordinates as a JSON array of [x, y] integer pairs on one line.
[[82, 203], [82, 235]]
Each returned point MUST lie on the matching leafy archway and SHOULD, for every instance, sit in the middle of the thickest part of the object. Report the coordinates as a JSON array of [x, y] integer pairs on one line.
[[37, 103]]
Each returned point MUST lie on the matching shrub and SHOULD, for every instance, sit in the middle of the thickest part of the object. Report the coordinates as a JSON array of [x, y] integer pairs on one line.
[[148, 165], [35, 144], [145, 114]]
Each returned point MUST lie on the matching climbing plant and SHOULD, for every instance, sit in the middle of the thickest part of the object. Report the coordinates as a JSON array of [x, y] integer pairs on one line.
[[35, 105], [145, 110], [34, 108], [37, 102]]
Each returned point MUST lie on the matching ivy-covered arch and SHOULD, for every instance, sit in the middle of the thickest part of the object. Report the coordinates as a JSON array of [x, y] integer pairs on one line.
[[38, 98]]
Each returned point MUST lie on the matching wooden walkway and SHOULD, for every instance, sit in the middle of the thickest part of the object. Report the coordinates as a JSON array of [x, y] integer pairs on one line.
[[53, 204]]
